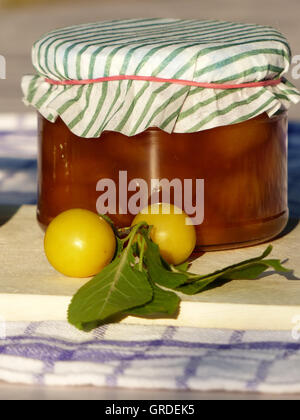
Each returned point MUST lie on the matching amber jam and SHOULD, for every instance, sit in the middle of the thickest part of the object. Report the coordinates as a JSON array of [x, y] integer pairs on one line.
[[244, 168]]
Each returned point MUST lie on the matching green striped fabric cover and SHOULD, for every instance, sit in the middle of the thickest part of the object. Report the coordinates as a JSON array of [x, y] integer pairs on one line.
[[201, 51]]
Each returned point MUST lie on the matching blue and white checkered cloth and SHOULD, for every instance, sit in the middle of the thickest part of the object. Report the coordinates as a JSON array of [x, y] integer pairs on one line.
[[132, 356], [18, 159], [54, 353]]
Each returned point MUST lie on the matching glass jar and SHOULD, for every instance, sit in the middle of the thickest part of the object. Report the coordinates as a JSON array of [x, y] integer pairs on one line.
[[244, 168]]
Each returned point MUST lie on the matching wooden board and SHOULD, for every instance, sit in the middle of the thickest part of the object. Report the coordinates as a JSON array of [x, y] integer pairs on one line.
[[30, 290]]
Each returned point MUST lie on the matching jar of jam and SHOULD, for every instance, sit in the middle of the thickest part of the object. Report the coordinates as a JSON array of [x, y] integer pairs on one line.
[[197, 105], [244, 168]]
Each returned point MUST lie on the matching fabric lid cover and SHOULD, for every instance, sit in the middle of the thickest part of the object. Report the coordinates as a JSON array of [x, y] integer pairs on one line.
[[200, 51]]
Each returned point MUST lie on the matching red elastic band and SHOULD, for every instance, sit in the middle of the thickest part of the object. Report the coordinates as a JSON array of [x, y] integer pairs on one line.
[[274, 82]]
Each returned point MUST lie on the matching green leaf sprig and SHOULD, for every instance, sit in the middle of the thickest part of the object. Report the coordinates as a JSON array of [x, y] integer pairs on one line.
[[138, 282]]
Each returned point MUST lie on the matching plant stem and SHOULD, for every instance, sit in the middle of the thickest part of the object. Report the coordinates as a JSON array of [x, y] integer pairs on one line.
[[134, 231], [142, 247], [124, 230]]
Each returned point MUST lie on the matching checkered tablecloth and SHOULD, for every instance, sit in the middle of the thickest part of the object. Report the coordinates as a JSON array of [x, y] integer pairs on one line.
[[18, 159], [134, 356], [54, 353]]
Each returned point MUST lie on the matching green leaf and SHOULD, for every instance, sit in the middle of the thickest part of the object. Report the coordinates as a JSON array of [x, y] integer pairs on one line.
[[127, 287], [157, 270], [181, 267], [250, 272], [253, 270], [245, 270], [268, 250], [197, 286], [176, 268], [276, 264], [163, 304], [119, 287], [119, 247]]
